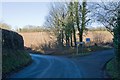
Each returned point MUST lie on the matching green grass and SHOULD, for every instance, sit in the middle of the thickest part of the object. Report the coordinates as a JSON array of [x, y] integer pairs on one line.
[[13, 60], [111, 69]]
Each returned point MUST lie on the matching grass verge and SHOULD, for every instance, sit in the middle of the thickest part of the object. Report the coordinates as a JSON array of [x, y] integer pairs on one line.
[[111, 69], [81, 52], [13, 61]]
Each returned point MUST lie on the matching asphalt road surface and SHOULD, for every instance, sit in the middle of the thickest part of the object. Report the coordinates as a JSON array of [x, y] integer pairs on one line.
[[45, 66]]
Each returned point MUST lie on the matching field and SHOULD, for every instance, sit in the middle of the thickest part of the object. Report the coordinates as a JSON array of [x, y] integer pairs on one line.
[[44, 41], [37, 38], [40, 38], [99, 36]]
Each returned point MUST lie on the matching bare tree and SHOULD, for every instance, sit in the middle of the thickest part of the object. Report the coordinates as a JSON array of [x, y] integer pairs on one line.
[[105, 13], [56, 20]]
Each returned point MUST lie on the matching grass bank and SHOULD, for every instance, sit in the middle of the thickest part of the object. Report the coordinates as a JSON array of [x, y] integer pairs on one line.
[[14, 60], [111, 69]]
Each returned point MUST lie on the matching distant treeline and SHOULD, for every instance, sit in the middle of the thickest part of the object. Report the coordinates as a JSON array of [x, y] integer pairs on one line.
[[28, 28], [5, 26], [32, 29], [41, 29]]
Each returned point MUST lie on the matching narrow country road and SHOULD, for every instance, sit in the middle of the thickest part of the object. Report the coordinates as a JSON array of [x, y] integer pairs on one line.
[[93, 65], [49, 67], [45, 66]]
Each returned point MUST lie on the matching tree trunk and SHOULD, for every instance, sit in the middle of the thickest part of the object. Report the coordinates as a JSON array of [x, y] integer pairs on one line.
[[62, 39], [67, 40], [71, 39], [74, 35], [77, 17], [81, 37]]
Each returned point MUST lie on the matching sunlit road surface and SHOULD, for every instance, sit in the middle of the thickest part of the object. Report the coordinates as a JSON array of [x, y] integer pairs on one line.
[[49, 67], [44, 66]]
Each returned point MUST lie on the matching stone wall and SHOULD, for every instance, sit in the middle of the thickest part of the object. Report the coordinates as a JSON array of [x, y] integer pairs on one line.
[[12, 40]]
